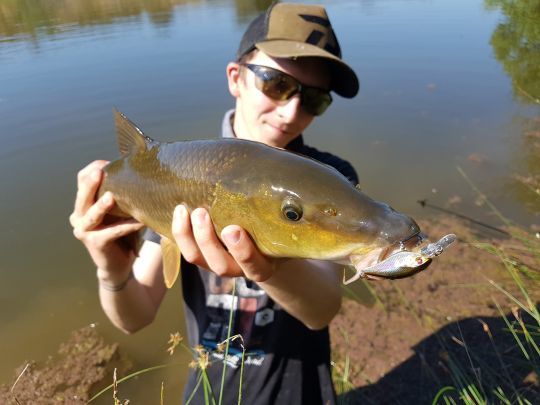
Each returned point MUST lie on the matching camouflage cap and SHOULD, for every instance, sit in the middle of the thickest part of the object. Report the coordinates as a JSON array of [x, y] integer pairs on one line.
[[289, 30]]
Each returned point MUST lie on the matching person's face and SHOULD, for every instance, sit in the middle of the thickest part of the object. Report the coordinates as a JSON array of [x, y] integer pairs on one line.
[[260, 118]]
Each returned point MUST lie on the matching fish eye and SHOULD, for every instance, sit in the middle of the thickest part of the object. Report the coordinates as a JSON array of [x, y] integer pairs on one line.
[[291, 210]]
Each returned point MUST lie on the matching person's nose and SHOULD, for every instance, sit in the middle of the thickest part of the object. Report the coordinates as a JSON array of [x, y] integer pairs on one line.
[[291, 108]]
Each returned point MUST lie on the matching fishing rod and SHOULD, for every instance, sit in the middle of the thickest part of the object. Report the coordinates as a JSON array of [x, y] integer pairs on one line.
[[424, 203]]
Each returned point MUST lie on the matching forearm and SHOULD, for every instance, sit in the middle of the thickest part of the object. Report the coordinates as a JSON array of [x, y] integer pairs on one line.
[[131, 302], [309, 290], [129, 309]]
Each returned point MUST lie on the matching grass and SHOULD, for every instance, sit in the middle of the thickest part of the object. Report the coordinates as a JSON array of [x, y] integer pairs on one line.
[[201, 361], [476, 382], [341, 370]]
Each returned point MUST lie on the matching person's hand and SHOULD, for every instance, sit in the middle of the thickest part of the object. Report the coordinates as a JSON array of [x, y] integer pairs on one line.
[[200, 245], [100, 233]]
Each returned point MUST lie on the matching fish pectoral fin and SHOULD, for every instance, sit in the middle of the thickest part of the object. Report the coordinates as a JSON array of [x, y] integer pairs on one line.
[[359, 274], [171, 261]]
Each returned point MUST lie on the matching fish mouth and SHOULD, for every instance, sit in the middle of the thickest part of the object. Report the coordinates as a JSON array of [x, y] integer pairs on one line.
[[410, 244]]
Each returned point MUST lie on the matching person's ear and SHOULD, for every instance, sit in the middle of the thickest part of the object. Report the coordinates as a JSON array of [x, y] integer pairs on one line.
[[233, 78]]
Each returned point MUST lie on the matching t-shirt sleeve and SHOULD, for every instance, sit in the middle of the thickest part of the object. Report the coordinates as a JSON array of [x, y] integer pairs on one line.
[[341, 165], [151, 236]]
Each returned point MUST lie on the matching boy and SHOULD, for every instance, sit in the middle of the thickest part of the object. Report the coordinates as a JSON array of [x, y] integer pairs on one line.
[[287, 63]]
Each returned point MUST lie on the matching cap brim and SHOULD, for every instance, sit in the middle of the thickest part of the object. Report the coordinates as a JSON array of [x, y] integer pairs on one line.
[[344, 80]]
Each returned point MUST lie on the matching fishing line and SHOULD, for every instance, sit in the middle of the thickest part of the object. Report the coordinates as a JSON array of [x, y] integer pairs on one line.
[[424, 203]]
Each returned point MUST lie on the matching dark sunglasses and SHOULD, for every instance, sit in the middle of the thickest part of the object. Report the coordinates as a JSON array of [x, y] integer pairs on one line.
[[280, 86]]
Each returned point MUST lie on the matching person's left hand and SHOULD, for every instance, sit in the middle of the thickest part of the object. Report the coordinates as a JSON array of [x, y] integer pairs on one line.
[[200, 245]]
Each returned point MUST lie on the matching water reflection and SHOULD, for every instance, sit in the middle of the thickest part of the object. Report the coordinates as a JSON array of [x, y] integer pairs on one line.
[[516, 44], [30, 19], [247, 9], [23, 19]]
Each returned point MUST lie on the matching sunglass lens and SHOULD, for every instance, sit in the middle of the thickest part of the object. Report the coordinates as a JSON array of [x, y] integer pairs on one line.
[[279, 86], [315, 101], [276, 85]]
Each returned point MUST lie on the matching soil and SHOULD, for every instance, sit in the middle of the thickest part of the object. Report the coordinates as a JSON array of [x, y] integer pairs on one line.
[[84, 365], [401, 345], [404, 349]]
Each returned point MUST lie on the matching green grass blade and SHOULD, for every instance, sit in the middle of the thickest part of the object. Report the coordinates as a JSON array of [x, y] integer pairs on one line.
[[528, 338], [514, 299], [511, 328], [499, 393], [208, 391], [484, 198], [442, 392], [226, 355], [199, 380], [241, 375]]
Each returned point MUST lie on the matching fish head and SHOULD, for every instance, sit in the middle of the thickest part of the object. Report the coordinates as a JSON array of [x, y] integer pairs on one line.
[[318, 214]]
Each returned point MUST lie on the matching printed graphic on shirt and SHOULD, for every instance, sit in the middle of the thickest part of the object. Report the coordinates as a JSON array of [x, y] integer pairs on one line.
[[251, 316]]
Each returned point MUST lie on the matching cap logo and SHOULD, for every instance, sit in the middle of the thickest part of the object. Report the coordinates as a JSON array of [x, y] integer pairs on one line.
[[315, 37]]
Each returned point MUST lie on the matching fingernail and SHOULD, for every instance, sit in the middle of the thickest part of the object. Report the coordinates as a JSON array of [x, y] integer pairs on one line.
[[107, 198], [198, 216], [231, 237], [180, 211]]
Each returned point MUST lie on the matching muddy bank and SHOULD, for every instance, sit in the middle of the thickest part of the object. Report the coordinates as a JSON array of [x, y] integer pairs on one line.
[[84, 364]]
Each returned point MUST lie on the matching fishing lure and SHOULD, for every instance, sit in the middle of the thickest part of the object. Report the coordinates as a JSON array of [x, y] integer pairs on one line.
[[403, 263]]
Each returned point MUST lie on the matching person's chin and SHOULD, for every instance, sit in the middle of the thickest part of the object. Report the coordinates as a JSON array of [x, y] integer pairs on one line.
[[276, 136]]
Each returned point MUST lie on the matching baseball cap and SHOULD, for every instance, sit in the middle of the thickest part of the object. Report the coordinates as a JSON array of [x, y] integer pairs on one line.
[[290, 30]]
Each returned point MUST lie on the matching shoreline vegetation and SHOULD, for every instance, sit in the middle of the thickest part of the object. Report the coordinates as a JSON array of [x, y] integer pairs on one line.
[[467, 330]]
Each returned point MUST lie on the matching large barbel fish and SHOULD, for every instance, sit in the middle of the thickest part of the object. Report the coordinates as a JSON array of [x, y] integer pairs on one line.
[[291, 205]]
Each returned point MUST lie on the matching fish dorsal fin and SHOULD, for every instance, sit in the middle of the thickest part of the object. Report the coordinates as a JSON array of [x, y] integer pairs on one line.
[[130, 138], [171, 261]]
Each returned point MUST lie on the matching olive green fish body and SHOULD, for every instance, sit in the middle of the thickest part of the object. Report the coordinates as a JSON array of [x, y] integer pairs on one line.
[[150, 183], [291, 205]]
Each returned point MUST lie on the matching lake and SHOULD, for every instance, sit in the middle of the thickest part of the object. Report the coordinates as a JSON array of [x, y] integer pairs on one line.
[[444, 84]]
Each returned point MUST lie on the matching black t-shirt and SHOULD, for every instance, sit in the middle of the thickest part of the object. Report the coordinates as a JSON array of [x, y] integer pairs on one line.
[[285, 362]]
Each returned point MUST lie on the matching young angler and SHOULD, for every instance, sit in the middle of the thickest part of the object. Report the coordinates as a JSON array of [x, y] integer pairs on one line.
[[288, 62]]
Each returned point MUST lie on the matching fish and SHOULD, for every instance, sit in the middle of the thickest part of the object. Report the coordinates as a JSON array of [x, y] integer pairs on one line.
[[291, 205], [403, 263]]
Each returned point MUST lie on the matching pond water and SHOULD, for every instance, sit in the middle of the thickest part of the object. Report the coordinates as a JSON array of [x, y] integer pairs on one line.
[[443, 84]]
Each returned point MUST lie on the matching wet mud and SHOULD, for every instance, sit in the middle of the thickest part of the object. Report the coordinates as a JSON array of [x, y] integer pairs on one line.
[[83, 365]]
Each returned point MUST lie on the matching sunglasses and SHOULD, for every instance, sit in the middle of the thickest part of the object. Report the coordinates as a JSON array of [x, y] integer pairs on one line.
[[280, 86]]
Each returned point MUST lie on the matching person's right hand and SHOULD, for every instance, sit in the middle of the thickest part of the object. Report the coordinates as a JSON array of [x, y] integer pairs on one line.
[[97, 231]]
